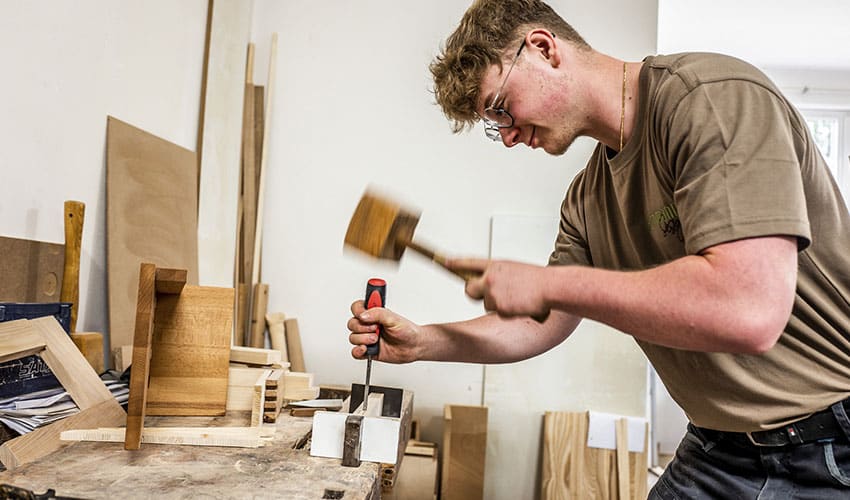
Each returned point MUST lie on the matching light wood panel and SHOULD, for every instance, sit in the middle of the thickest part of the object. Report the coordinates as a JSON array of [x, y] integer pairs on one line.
[[464, 452], [191, 352], [151, 215], [572, 471]]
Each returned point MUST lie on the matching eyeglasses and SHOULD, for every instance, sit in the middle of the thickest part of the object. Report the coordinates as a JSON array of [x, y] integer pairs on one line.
[[496, 117]]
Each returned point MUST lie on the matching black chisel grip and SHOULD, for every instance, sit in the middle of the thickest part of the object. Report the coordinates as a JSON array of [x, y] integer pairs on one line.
[[376, 295]]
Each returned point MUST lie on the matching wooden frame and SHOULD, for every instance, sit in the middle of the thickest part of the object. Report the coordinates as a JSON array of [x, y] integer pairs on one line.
[[45, 337]]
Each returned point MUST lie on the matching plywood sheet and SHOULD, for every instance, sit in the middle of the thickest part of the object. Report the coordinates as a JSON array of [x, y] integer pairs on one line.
[[152, 191], [191, 352], [30, 271]]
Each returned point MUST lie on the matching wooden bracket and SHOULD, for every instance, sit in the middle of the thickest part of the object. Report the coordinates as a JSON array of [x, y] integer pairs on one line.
[[181, 349], [98, 407]]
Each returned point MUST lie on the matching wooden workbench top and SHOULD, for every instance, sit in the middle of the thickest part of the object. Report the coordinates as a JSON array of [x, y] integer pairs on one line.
[[106, 470]]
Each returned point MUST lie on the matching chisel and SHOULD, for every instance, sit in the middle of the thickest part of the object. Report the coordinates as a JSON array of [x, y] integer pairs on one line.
[[376, 294]]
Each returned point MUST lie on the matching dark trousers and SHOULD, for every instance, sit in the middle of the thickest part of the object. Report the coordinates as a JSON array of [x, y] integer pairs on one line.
[[720, 465]]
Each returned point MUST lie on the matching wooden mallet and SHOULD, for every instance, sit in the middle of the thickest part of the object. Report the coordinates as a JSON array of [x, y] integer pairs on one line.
[[384, 229]]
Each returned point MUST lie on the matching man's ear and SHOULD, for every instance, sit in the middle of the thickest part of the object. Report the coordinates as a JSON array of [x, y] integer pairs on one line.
[[545, 43]]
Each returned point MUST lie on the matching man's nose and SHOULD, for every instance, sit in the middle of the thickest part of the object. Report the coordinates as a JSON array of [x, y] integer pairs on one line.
[[510, 136]]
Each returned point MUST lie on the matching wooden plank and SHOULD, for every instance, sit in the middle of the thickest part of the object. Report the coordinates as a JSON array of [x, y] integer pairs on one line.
[[263, 167], [259, 125], [254, 356], [622, 430], [259, 304], [69, 366], [417, 479], [249, 175], [237, 437], [293, 345], [151, 190], [31, 270], [139, 376], [46, 440], [191, 352], [17, 339], [464, 452]]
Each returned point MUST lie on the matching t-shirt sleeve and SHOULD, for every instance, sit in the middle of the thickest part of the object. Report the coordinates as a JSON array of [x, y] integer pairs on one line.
[[571, 244], [736, 172]]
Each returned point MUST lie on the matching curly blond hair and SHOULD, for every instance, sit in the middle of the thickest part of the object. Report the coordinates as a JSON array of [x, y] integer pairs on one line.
[[486, 31]]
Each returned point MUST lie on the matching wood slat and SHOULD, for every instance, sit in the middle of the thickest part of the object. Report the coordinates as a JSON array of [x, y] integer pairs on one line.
[[137, 402]]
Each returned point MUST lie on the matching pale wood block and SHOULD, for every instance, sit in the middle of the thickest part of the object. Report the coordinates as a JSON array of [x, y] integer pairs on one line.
[[90, 345], [464, 452], [254, 355], [18, 339], [277, 333], [622, 431], [69, 366]]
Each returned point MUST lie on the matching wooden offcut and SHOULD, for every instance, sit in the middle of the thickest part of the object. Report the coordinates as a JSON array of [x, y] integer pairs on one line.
[[293, 345], [464, 452], [31, 271], [277, 333], [151, 216], [573, 471], [254, 355], [97, 405], [90, 345]]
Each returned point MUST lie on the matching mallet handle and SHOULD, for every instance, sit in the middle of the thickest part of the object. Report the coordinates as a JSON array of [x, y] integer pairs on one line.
[[439, 259]]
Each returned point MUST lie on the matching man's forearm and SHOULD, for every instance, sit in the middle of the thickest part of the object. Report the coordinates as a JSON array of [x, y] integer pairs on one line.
[[492, 339], [729, 301]]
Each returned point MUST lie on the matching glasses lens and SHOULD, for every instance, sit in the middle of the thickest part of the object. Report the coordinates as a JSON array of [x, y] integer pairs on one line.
[[499, 116], [491, 130]]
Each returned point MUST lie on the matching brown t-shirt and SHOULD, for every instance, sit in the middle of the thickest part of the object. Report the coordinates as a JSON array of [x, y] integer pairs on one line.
[[718, 154]]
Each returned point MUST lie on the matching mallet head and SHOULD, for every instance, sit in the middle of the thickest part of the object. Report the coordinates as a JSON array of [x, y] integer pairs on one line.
[[381, 227]]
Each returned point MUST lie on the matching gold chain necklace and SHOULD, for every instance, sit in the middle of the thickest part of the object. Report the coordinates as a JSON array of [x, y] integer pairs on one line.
[[623, 107]]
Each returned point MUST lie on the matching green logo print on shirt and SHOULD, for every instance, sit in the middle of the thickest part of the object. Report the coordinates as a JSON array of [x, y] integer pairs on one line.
[[667, 219]]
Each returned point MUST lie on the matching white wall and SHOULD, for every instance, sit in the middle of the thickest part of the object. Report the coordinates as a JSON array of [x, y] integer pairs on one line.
[[352, 107], [66, 66]]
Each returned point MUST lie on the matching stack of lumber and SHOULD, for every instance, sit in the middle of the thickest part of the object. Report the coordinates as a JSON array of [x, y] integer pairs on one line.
[[260, 382]]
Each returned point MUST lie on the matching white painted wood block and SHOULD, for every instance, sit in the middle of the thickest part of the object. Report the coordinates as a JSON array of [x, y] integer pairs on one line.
[[378, 443], [601, 431]]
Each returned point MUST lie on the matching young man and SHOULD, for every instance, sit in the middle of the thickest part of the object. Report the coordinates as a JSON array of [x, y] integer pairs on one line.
[[705, 225]]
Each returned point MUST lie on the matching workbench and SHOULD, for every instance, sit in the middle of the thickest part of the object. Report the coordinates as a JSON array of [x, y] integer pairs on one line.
[[276, 470]]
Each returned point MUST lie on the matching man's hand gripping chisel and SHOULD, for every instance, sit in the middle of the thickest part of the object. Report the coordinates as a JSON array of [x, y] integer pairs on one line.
[[376, 295]]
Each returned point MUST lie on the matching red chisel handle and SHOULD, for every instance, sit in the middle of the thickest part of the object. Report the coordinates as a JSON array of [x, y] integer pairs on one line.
[[376, 295]]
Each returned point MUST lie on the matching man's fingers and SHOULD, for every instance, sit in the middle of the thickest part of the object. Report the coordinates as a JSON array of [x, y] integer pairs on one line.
[[357, 307], [472, 266]]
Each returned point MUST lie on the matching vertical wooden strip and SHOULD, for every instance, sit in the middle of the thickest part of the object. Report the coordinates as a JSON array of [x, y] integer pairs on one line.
[[145, 308], [622, 435], [202, 108], [258, 233], [293, 345], [258, 315], [74, 213]]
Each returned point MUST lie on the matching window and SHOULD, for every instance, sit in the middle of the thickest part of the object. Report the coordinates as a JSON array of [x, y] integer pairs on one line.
[[831, 130]]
